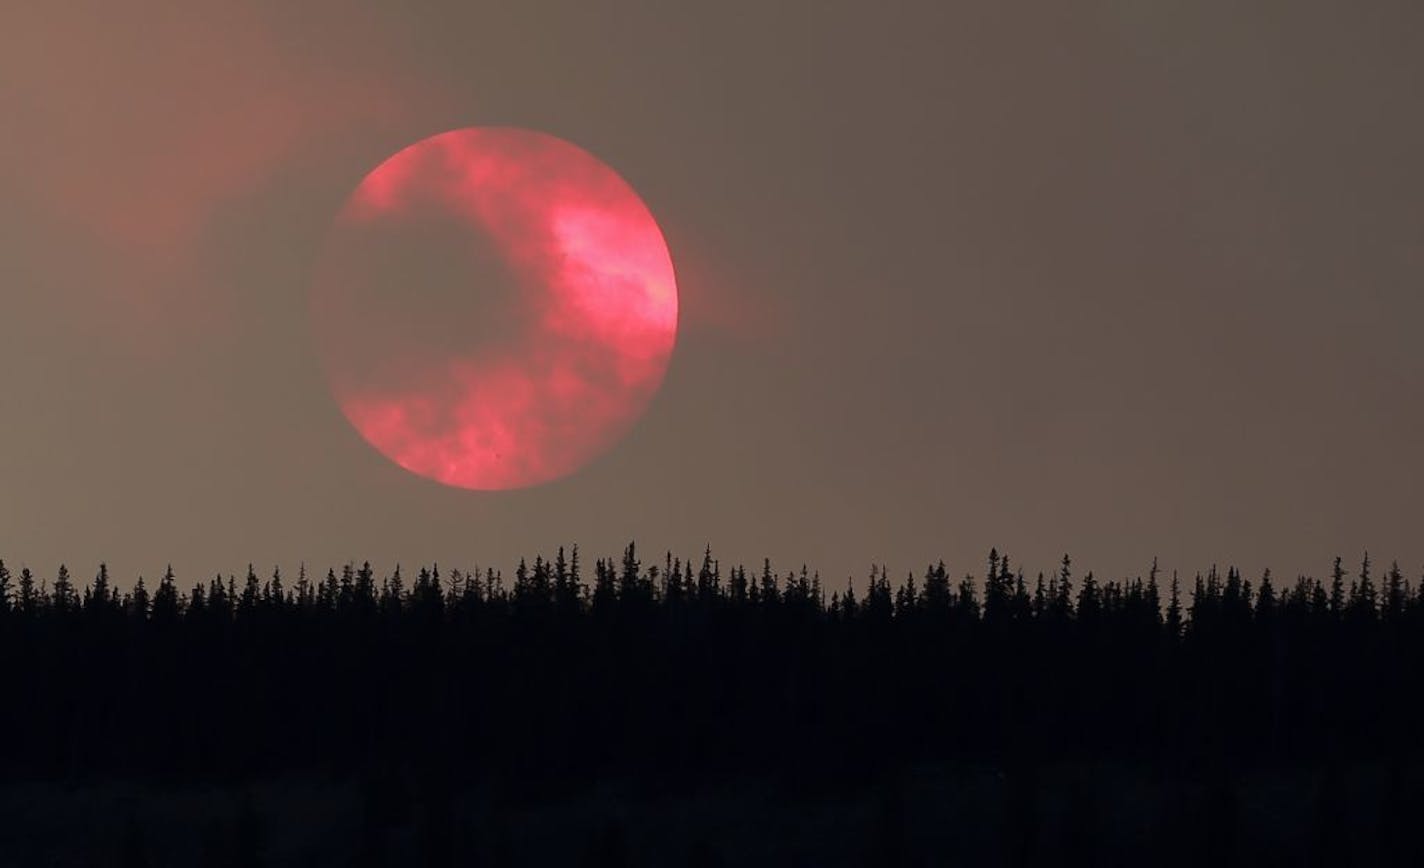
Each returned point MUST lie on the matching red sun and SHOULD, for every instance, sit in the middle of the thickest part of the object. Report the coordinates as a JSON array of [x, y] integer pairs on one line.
[[495, 308]]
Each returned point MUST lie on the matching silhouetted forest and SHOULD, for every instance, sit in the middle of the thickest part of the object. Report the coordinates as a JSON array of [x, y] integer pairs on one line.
[[684, 671]]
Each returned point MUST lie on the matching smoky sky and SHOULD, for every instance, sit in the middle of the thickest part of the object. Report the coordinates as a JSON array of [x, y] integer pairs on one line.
[[1120, 279]]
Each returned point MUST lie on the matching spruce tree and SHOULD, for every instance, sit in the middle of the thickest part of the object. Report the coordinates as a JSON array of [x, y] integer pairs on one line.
[[165, 600], [1090, 604], [274, 594], [1337, 590], [709, 578], [97, 596], [1174, 609], [251, 594], [849, 606], [937, 594], [769, 593], [138, 602], [62, 598], [1063, 600], [393, 594], [1395, 593], [29, 599], [1265, 599], [364, 589], [1363, 602], [605, 589], [737, 586], [995, 598]]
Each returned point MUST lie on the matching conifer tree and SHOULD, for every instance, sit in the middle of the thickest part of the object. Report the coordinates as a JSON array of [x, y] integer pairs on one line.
[[346, 590], [364, 588], [1153, 594], [1174, 609], [62, 598], [1063, 600], [567, 593], [879, 601], [251, 593], [605, 589], [1236, 600], [1021, 605], [994, 594], [1363, 602], [305, 594], [904, 602], [708, 577], [220, 600], [1395, 593], [629, 576], [541, 583], [138, 602], [1337, 590], [967, 600], [1265, 599], [393, 593], [522, 589], [737, 586], [274, 594], [165, 600], [427, 597], [937, 594], [197, 604], [1320, 606], [770, 595], [29, 599], [327, 593], [1090, 604], [97, 596], [1200, 610]]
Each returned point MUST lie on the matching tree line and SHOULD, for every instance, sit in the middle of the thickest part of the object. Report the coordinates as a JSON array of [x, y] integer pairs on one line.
[[681, 668]]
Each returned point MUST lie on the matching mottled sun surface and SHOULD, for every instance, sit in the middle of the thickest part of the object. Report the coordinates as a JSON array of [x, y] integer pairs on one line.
[[495, 307]]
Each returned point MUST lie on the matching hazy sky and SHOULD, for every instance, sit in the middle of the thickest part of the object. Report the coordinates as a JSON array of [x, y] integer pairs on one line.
[[1114, 278]]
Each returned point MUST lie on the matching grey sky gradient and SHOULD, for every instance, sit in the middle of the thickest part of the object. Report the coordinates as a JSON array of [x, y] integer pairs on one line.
[[1115, 278]]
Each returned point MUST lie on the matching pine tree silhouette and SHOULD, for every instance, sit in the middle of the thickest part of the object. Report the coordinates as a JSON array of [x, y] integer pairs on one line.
[[1337, 589], [138, 603], [62, 598], [1396, 594], [1063, 600], [29, 599], [1363, 604], [667, 673]]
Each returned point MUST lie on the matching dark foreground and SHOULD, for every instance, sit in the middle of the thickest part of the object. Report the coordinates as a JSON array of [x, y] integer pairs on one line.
[[1064, 815], [676, 715]]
